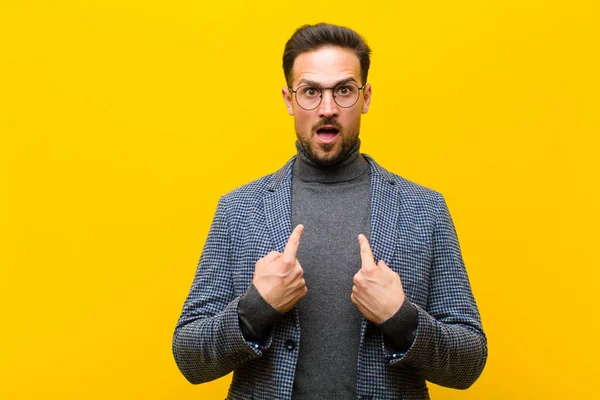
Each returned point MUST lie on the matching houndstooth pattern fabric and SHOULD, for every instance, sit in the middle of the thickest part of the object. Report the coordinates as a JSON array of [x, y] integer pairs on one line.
[[411, 230]]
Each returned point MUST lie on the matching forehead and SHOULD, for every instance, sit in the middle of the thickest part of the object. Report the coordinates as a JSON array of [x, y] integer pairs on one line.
[[327, 65]]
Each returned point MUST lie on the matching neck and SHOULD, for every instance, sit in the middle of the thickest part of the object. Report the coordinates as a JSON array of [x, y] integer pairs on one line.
[[349, 168]]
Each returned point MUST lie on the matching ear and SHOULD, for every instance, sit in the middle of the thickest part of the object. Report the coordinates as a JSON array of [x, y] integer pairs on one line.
[[367, 99], [287, 98]]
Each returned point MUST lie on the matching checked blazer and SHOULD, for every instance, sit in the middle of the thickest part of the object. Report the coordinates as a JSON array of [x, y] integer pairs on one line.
[[411, 230]]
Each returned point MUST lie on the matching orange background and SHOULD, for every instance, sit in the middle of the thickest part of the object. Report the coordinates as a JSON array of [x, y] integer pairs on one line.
[[122, 123]]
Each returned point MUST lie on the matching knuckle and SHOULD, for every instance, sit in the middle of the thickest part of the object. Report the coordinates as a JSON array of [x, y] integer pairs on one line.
[[357, 279], [289, 261]]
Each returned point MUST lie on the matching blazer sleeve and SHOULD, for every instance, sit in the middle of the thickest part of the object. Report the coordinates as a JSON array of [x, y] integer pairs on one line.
[[208, 342], [450, 347]]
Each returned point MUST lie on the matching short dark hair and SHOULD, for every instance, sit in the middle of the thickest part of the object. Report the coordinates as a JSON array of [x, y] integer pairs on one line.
[[313, 37]]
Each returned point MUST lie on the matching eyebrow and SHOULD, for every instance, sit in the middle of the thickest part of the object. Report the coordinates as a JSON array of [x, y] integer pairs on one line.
[[317, 84]]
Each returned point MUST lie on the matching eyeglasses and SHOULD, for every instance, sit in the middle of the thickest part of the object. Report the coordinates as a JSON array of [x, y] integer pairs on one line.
[[345, 95]]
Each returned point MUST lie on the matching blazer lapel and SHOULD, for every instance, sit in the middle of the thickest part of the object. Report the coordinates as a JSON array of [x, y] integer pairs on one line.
[[278, 206], [385, 207]]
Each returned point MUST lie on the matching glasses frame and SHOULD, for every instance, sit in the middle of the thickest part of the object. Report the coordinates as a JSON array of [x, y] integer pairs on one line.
[[332, 94]]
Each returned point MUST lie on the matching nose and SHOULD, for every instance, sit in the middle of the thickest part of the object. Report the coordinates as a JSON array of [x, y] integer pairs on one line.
[[328, 107]]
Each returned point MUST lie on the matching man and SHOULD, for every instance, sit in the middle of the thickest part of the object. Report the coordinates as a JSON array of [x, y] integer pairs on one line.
[[367, 297]]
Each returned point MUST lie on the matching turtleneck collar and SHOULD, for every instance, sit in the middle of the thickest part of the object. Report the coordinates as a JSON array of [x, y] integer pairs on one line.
[[351, 167]]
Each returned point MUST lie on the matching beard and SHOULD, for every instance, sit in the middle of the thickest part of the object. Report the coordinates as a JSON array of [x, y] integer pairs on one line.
[[325, 155]]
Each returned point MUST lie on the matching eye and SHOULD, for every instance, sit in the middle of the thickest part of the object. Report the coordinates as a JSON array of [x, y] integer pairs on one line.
[[344, 90], [309, 91]]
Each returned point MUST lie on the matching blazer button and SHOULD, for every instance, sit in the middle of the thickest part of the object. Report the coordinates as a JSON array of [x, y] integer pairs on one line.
[[290, 344]]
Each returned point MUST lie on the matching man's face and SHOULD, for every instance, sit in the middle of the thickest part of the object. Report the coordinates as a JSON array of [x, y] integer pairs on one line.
[[329, 131]]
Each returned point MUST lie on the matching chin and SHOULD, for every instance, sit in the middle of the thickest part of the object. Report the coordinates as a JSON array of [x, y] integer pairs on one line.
[[327, 158], [324, 154]]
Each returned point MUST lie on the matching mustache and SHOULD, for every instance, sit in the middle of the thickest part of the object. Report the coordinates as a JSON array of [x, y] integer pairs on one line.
[[327, 121]]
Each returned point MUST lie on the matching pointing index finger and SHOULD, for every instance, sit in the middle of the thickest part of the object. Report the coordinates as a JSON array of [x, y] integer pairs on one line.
[[291, 247], [366, 255]]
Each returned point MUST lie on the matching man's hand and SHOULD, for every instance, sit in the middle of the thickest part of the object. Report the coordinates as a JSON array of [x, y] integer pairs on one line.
[[377, 290], [279, 277]]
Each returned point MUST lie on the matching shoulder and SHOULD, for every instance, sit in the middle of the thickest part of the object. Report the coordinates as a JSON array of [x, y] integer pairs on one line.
[[253, 192], [409, 190], [416, 194], [420, 208], [247, 195]]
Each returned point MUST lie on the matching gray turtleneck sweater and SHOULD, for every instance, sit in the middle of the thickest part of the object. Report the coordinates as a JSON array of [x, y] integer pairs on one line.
[[333, 204]]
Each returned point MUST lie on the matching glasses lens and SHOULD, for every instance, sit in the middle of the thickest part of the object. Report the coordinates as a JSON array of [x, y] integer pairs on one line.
[[346, 95], [308, 97]]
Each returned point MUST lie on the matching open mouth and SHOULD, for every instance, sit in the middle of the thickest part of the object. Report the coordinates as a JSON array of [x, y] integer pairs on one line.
[[327, 133]]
